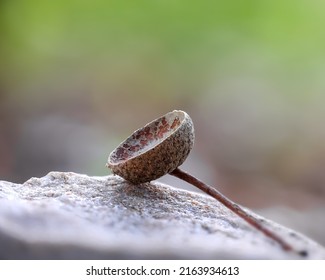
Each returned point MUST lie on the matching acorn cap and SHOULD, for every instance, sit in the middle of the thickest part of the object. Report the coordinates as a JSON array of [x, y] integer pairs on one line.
[[154, 150]]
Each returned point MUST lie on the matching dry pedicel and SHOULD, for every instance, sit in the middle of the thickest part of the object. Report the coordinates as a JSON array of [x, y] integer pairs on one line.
[[159, 148]]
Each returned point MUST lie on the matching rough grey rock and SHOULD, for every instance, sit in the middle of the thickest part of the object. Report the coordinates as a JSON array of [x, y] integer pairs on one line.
[[73, 216]]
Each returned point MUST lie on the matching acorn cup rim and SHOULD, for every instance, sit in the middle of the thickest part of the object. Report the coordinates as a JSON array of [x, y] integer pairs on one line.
[[113, 162]]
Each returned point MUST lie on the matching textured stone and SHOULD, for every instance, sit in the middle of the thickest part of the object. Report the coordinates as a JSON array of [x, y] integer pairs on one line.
[[73, 216]]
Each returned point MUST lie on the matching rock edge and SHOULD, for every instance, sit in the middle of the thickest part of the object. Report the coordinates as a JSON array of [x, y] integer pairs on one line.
[[65, 215]]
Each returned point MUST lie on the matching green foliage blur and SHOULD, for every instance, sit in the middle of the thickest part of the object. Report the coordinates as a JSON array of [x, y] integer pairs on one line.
[[161, 47]]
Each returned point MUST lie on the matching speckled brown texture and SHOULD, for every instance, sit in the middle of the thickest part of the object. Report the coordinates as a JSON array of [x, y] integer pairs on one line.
[[155, 149]]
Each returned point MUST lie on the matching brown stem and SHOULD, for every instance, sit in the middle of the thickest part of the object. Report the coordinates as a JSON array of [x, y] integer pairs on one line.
[[233, 207]]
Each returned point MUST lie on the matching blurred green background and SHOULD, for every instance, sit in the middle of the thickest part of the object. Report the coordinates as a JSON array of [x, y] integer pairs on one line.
[[77, 77]]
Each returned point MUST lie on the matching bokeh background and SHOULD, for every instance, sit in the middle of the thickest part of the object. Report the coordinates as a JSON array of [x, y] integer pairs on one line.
[[77, 77]]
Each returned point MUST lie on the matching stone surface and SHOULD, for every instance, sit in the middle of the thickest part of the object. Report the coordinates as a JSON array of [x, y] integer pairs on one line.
[[73, 216]]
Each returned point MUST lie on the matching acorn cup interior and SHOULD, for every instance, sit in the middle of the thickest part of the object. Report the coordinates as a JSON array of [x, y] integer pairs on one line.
[[155, 149]]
